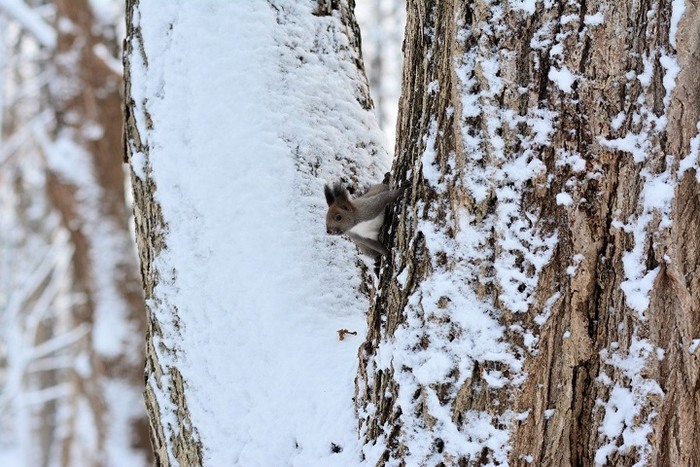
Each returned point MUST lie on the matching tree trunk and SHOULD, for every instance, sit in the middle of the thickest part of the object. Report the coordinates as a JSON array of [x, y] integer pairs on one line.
[[542, 307], [74, 318], [165, 382], [324, 131], [86, 98]]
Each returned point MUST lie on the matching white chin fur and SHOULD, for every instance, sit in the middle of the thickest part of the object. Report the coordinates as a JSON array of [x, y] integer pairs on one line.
[[370, 228]]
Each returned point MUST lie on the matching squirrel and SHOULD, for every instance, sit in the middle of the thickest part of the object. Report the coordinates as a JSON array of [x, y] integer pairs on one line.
[[359, 218]]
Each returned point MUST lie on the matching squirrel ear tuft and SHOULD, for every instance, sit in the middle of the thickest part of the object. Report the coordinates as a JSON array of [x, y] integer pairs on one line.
[[330, 198], [341, 197], [339, 191]]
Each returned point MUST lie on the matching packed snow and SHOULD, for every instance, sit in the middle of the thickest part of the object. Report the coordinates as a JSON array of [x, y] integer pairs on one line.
[[249, 121], [563, 78], [626, 416]]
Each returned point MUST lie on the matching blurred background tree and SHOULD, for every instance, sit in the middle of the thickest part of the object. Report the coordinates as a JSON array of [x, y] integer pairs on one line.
[[382, 23], [71, 309]]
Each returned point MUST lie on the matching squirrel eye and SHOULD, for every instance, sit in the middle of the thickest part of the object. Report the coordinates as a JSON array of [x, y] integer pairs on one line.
[[338, 218]]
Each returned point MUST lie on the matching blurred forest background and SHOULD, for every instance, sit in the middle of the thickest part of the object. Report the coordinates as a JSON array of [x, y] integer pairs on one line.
[[71, 305], [72, 315]]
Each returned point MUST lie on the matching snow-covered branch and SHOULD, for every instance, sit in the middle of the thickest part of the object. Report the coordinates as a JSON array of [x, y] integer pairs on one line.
[[31, 21]]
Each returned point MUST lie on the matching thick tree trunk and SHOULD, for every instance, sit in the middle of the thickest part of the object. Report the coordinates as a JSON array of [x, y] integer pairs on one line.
[[322, 143], [542, 307]]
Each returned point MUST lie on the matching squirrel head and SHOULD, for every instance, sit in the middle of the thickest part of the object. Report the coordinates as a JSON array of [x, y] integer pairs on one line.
[[341, 213]]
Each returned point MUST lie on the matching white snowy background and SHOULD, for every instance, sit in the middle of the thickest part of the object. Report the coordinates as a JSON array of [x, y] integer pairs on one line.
[[47, 349]]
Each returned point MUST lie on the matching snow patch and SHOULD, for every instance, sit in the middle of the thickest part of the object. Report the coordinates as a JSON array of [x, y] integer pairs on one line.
[[617, 122], [671, 68], [677, 12], [594, 20], [542, 318], [564, 199], [692, 160], [431, 170], [527, 6], [694, 345], [627, 422], [563, 78]]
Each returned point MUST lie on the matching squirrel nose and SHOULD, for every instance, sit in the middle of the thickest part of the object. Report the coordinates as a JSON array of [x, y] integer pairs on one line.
[[328, 231]]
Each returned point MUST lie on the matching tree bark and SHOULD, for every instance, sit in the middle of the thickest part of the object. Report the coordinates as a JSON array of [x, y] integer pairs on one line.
[[150, 225], [175, 433], [545, 274]]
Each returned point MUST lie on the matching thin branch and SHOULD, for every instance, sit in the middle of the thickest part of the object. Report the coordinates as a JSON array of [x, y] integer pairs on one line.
[[43, 396], [59, 342]]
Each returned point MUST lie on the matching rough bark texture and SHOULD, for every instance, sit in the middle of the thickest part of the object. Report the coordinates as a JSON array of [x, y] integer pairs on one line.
[[585, 328], [150, 225]]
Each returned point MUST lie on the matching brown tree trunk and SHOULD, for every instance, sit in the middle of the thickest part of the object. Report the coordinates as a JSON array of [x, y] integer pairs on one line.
[[542, 307], [175, 436], [86, 98]]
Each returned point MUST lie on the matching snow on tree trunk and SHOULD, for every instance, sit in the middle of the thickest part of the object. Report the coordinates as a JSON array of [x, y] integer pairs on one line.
[[542, 307], [237, 114]]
